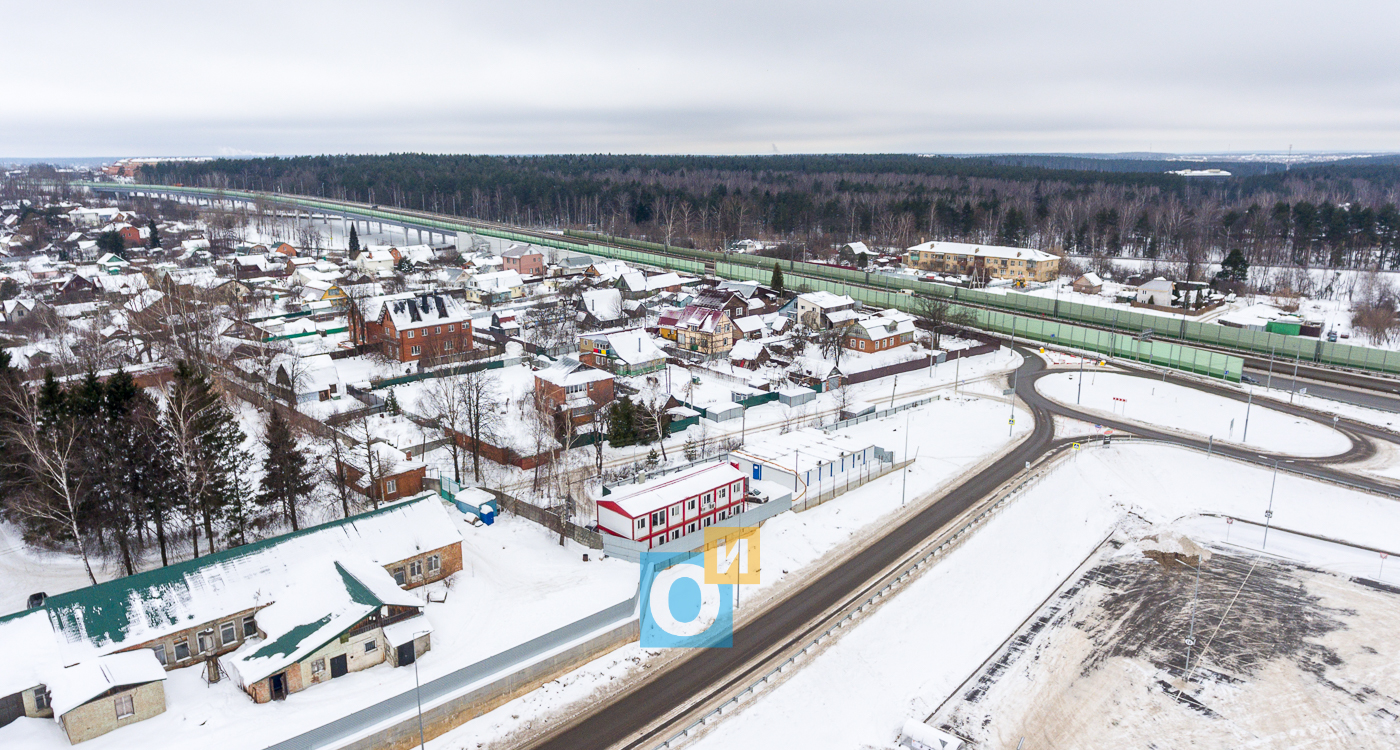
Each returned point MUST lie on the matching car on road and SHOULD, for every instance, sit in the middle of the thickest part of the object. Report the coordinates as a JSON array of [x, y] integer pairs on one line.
[[1248, 379]]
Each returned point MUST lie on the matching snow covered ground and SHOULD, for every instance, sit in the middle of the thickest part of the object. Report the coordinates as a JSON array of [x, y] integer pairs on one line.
[[905, 658], [1177, 407], [952, 434]]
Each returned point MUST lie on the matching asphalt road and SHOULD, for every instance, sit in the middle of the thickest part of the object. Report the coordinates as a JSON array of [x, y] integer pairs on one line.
[[693, 679], [709, 672], [1368, 395]]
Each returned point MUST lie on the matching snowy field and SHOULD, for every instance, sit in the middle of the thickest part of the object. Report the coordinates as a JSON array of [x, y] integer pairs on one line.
[[913, 652], [1159, 404]]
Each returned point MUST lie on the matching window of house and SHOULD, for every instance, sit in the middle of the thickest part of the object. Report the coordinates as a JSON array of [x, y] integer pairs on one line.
[[437, 329], [447, 345], [641, 524], [250, 628], [723, 492], [675, 511], [676, 534], [862, 345], [392, 485], [41, 698], [691, 504], [371, 646], [451, 328], [125, 706], [182, 649], [228, 633], [317, 667], [576, 388], [415, 569], [415, 351], [658, 518], [434, 564], [709, 520], [410, 334]]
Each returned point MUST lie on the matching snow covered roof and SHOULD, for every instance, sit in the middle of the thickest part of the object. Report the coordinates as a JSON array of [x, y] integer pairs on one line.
[[887, 323], [518, 251], [569, 371], [826, 300], [113, 259], [632, 345], [636, 282], [985, 251], [859, 247], [330, 599], [80, 683], [640, 499], [1092, 279], [403, 631], [498, 281], [603, 304], [425, 309], [749, 323], [805, 449], [117, 614], [745, 350], [610, 270], [701, 319]]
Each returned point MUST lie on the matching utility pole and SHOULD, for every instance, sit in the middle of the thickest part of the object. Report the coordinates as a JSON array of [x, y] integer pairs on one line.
[[1081, 381], [904, 484], [1245, 438]]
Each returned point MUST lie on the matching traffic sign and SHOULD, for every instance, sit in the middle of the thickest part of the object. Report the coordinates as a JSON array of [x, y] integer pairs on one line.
[[1229, 520]]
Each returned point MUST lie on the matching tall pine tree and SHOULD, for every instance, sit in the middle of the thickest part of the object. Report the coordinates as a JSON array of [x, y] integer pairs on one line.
[[287, 480], [207, 453], [354, 243]]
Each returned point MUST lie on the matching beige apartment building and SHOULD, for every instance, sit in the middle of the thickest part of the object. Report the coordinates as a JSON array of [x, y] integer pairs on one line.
[[984, 261]]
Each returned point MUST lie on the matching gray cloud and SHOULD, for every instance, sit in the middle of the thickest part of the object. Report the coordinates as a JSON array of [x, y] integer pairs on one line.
[[171, 78]]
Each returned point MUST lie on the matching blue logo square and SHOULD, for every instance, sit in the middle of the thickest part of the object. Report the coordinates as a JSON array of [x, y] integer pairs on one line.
[[680, 610]]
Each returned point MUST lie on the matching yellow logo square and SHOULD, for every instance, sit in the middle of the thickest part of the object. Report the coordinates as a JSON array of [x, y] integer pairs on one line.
[[731, 554]]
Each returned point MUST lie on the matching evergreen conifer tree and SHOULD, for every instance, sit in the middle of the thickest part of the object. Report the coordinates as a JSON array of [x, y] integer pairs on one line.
[[777, 282], [354, 243], [155, 233], [287, 480], [207, 452]]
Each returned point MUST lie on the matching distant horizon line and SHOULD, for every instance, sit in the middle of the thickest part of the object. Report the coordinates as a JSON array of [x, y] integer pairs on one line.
[[1295, 154]]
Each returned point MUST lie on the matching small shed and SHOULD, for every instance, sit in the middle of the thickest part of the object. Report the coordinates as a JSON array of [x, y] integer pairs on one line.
[[1089, 283], [478, 502], [796, 396], [857, 409], [682, 417], [724, 411]]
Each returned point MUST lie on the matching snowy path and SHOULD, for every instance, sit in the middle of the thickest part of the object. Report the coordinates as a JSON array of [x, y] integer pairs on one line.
[[1173, 406]]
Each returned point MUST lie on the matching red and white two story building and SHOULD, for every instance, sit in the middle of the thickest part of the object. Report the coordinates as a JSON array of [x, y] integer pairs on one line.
[[669, 507]]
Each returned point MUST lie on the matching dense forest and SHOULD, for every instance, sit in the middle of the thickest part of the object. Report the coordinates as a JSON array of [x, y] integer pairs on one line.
[[1337, 215]]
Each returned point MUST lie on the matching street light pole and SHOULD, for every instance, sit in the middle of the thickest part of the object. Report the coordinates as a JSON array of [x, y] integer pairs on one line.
[[1245, 438], [417, 691], [1269, 514], [1081, 381]]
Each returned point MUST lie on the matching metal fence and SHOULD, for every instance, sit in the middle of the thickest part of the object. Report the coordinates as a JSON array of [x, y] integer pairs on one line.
[[878, 415]]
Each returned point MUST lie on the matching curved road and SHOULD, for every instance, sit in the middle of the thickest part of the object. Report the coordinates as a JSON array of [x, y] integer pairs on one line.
[[709, 672]]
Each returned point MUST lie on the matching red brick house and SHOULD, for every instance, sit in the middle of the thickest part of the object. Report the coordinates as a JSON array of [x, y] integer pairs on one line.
[[525, 260], [885, 330], [400, 476], [573, 388], [412, 326]]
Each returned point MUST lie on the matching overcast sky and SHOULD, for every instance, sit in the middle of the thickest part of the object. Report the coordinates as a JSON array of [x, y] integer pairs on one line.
[[754, 76]]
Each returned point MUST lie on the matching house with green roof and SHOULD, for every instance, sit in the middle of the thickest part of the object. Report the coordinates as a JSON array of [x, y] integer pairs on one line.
[[270, 605]]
